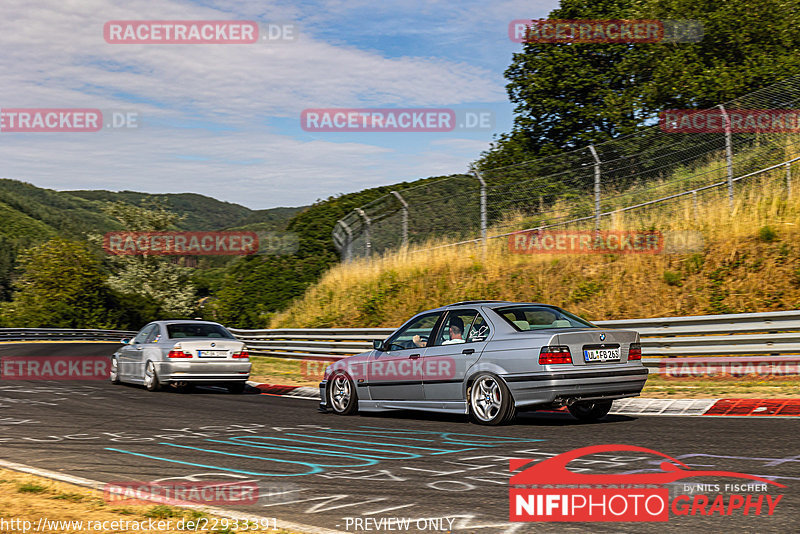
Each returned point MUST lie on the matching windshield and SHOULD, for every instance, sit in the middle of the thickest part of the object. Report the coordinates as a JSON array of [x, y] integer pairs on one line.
[[532, 317], [181, 330]]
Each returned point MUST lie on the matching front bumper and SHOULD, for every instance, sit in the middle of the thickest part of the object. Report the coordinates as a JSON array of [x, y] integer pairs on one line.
[[555, 387], [203, 372], [323, 397]]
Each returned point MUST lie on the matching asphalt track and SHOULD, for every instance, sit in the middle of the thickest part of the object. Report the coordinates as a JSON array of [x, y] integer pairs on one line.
[[326, 471]]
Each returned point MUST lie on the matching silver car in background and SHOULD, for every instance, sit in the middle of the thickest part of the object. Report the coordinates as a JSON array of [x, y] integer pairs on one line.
[[490, 359], [184, 353]]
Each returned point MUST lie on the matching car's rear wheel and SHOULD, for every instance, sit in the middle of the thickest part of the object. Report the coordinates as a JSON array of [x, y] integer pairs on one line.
[[342, 397], [151, 381], [590, 410], [114, 373], [490, 401]]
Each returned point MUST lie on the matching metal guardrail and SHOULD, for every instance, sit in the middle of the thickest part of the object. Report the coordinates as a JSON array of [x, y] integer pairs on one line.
[[770, 336], [62, 334]]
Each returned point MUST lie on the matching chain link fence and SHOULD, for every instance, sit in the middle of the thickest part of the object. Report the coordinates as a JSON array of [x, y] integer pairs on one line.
[[684, 157]]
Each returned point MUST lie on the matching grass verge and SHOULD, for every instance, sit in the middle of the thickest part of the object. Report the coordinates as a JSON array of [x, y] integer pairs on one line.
[[25, 497]]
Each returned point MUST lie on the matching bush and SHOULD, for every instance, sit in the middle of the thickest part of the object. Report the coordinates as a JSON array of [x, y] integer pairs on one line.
[[672, 278], [767, 234]]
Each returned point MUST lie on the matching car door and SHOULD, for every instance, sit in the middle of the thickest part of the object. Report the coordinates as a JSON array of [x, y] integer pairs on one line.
[[396, 374], [452, 353], [130, 356]]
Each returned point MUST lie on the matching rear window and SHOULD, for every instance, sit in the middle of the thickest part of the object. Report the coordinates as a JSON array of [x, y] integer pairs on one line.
[[524, 318], [181, 330]]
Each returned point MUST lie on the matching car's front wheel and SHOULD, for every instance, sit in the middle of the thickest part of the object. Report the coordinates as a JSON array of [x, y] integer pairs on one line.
[[150, 377], [490, 401], [590, 411], [342, 397]]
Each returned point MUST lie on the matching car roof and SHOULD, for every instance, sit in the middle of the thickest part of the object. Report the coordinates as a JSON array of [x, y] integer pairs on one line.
[[488, 304], [190, 321]]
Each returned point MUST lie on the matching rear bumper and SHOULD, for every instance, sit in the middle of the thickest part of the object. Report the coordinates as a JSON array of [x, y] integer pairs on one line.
[[547, 388], [208, 372]]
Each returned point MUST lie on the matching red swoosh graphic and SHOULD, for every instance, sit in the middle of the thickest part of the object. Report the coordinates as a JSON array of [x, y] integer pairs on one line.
[[554, 470]]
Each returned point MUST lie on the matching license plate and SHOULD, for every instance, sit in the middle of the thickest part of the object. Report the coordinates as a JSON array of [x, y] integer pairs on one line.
[[601, 355], [212, 353]]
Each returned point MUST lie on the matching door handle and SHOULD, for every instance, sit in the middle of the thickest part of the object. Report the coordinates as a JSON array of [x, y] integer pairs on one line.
[[468, 351], [413, 356]]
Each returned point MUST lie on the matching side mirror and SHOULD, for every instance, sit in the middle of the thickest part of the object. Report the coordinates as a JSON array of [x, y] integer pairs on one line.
[[377, 344], [124, 340]]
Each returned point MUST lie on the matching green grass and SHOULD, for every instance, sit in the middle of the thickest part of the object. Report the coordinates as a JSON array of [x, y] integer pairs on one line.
[[31, 487]]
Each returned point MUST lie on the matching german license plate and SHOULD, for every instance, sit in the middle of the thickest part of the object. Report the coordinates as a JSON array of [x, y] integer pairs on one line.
[[601, 355], [212, 353]]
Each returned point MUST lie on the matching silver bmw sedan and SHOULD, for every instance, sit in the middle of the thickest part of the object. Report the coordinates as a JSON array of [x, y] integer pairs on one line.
[[490, 359], [183, 353]]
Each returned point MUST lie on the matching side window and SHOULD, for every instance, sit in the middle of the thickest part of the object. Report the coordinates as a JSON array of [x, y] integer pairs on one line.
[[463, 326], [415, 334], [480, 330], [141, 337], [155, 334]]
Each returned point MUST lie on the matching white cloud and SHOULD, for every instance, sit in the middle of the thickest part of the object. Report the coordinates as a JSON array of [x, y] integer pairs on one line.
[[212, 112]]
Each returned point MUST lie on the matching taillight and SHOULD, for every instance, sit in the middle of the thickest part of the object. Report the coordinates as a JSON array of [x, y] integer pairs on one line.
[[554, 354], [635, 352], [178, 354], [242, 354]]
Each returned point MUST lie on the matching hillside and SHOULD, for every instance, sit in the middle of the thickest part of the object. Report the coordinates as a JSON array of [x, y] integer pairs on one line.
[[30, 215], [199, 212], [749, 261], [243, 292]]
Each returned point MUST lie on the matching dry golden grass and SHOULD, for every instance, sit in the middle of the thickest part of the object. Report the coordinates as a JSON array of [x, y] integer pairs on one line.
[[25, 497], [750, 261]]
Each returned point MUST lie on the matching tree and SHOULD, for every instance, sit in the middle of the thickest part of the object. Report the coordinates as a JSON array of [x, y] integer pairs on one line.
[[61, 285], [568, 95], [153, 278]]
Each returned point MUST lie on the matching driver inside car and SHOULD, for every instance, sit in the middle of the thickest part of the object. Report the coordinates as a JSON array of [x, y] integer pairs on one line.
[[456, 332]]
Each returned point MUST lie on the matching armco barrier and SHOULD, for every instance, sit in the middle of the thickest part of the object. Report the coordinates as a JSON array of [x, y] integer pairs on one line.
[[773, 336], [62, 334]]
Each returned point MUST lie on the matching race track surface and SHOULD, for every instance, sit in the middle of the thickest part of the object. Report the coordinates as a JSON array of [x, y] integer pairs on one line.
[[326, 471]]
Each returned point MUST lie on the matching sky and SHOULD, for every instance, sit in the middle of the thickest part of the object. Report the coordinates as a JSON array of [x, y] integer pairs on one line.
[[224, 120]]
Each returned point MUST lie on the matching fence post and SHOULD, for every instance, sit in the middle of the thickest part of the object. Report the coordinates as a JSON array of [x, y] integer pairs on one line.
[[596, 187], [405, 216], [694, 204], [348, 242], [728, 154], [483, 208], [788, 179], [367, 233]]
